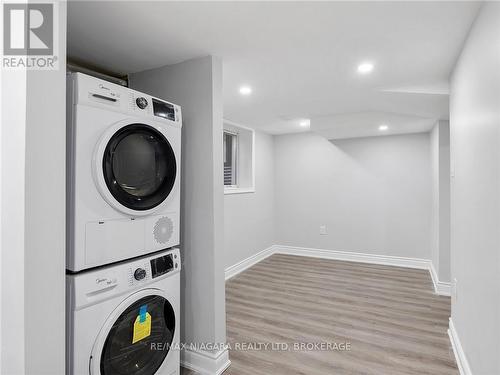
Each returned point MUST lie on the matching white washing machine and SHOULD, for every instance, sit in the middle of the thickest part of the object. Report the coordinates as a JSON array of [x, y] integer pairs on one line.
[[123, 191], [124, 318]]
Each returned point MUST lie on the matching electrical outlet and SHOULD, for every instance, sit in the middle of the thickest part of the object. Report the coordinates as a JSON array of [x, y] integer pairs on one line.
[[322, 229]]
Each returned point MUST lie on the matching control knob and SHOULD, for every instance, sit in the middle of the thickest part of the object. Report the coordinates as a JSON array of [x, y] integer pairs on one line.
[[141, 102], [139, 274]]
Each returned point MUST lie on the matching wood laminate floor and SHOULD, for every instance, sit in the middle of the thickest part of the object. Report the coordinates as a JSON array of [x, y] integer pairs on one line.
[[390, 316]]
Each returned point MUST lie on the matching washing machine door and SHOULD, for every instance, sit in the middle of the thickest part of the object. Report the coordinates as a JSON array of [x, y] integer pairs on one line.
[[130, 347], [136, 167]]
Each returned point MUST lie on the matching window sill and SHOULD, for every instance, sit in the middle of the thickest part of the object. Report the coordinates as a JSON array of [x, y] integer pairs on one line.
[[239, 190]]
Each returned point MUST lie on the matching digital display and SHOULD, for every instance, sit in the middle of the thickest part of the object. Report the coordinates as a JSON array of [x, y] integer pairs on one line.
[[162, 109], [161, 265]]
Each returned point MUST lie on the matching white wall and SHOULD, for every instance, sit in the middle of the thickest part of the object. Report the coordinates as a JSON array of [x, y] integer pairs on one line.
[[440, 228], [45, 215], [196, 85], [435, 195], [12, 233], [249, 217], [373, 194], [475, 193], [33, 217]]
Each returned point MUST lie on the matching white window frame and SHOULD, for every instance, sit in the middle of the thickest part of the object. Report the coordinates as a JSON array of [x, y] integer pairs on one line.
[[239, 130]]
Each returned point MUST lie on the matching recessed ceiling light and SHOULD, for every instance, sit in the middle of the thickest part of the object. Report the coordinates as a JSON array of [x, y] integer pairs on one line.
[[365, 68], [305, 123], [383, 127], [245, 90]]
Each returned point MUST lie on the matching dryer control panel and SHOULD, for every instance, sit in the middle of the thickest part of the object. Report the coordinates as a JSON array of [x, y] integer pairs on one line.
[[93, 91]]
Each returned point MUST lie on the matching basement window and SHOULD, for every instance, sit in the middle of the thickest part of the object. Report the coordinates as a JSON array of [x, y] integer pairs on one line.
[[230, 159], [238, 154]]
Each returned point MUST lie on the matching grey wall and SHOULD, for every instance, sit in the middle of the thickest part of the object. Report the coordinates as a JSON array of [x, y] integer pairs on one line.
[[249, 217], [196, 85], [475, 193], [373, 194], [440, 229]]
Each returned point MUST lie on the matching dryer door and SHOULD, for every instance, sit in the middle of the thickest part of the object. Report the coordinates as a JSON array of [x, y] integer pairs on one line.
[[138, 166], [138, 339]]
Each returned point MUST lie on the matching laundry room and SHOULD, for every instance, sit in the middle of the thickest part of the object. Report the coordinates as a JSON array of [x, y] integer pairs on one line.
[[124, 226], [204, 188]]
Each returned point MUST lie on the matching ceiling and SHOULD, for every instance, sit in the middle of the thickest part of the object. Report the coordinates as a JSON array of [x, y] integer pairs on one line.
[[300, 58]]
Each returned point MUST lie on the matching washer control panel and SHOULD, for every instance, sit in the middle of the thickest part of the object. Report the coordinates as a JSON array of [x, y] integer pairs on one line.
[[89, 287], [153, 267]]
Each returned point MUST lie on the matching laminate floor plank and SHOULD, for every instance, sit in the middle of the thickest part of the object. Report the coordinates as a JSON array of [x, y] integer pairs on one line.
[[390, 316]]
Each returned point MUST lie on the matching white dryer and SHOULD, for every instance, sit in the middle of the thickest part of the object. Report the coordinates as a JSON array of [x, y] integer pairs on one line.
[[123, 191], [124, 318]]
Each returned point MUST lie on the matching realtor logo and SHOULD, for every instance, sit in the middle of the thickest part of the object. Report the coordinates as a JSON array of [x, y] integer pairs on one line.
[[28, 29], [28, 38]]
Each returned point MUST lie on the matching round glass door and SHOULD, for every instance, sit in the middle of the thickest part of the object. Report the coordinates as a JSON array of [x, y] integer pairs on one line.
[[129, 351], [139, 167]]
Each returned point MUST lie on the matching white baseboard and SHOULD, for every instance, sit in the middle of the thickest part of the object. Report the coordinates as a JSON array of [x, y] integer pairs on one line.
[[462, 363], [248, 262], [354, 257], [440, 287], [205, 363]]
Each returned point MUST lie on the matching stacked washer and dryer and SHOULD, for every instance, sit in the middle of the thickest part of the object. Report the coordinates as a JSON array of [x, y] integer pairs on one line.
[[123, 203]]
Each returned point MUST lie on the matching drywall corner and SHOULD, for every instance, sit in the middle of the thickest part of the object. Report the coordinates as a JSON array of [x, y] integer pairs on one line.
[[196, 85]]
